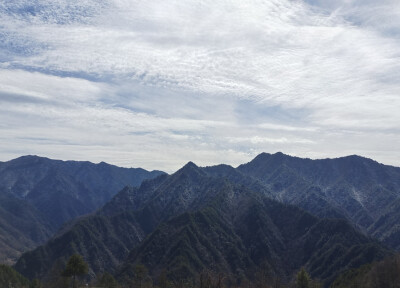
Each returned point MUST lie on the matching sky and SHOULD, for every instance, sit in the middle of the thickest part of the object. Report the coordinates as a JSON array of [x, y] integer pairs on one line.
[[155, 84]]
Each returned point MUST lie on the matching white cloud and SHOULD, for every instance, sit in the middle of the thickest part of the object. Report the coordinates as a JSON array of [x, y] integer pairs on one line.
[[178, 76], [47, 87]]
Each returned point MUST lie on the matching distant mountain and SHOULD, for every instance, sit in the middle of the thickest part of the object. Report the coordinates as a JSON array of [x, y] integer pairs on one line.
[[22, 227], [359, 189], [39, 195], [204, 218]]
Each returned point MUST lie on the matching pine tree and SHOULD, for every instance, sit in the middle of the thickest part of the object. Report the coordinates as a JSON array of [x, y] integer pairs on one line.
[[303, 280], [76, 266], [108, 281]]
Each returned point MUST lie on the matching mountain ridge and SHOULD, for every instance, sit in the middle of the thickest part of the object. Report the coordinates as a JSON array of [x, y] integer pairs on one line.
[[54, 192], [160, 201], [354, 187]]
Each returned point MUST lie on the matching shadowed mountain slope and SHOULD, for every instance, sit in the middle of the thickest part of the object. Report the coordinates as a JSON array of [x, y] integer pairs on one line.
[[22, 226], [359, 189], [385, 273], [39, 195], [240, 231], [195, 219]]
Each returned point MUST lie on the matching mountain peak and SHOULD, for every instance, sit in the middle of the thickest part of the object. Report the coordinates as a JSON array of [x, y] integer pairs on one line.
[[355, 157], [28, 160], [29, 157], [191, 170], [190, 164], [267, 156]]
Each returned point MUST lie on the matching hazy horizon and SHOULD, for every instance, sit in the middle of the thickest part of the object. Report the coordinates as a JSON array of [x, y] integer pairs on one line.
[[204, 165]]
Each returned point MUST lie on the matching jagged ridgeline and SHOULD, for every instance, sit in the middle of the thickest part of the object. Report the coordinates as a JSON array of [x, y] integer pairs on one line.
[[38, 195], [355, 188], [218, 218]]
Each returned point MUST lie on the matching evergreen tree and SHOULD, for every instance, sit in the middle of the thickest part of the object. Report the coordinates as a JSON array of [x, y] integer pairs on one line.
[[36, 284], [303, 280], [107, 281], [76, 266], [141, 274], [11, 278], [162, 279]]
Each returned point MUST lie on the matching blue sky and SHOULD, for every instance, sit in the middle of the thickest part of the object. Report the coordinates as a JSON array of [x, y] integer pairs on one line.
[[158, 83]]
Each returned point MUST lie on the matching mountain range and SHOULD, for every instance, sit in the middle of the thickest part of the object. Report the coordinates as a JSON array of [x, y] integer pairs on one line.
[[38, 195], [277, 211], [355, 188]]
